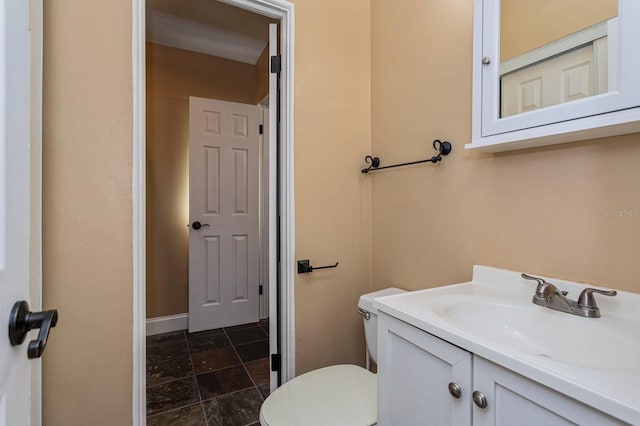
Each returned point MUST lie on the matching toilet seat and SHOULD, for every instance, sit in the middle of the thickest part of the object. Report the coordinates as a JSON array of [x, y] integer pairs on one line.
[[339, 395]]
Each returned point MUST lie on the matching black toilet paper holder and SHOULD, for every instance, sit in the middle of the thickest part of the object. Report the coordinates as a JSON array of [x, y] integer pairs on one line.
[[304, 266]]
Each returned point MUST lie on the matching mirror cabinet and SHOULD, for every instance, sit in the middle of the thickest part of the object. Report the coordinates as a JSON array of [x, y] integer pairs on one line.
[[548, 72]]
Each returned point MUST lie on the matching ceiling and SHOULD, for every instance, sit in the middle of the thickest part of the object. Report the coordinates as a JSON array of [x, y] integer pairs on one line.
[[208, 26]]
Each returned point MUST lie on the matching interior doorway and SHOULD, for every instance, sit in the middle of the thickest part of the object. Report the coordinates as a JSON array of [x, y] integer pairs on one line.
[[279, 259], [187, 59]]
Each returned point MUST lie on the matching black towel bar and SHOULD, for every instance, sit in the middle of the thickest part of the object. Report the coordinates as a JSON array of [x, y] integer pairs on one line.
[[443, 148]]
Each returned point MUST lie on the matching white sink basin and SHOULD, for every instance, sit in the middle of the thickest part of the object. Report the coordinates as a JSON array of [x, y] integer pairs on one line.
[[592, 360], [561, 337]]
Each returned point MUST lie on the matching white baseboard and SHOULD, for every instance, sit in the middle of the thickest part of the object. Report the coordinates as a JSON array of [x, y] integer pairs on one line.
[[167, 324]]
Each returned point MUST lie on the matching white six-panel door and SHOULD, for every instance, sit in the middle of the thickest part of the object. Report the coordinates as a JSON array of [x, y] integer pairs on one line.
[[223, 197], [15, 368]]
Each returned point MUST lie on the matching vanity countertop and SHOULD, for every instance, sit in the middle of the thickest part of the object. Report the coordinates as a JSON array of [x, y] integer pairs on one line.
[[593, 360]]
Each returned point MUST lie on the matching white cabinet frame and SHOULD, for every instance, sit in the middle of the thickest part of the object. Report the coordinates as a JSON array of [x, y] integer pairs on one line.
[[613, 113]]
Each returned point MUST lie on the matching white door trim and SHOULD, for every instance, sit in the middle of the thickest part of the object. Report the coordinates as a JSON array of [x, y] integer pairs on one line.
[[35, 244], [284, 12], [138, 189]]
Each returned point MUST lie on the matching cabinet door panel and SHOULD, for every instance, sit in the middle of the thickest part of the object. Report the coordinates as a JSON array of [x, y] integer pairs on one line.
[[414, 371], [515, 400]]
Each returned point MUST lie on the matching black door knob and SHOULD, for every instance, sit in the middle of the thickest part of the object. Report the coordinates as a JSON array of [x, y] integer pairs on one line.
[[197, 225], [21, 321]]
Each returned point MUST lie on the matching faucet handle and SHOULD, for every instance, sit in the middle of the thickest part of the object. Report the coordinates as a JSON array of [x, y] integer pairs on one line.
[[540, 281], [544, 288], [586, 299]]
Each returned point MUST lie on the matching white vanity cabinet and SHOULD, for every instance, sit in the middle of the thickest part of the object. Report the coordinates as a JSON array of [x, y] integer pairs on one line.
[[415, 370]]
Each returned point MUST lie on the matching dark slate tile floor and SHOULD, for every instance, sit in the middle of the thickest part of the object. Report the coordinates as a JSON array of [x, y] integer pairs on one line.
[[211, 378]]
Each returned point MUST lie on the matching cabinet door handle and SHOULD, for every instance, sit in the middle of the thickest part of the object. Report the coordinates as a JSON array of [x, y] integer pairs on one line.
[[479, 399], [455, 390]]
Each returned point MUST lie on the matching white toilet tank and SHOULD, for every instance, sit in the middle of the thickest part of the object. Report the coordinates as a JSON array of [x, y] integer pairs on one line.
[[370, 316]]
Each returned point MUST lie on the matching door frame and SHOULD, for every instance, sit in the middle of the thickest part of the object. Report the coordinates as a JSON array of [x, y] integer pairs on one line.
[[264, 231], [283, 11]]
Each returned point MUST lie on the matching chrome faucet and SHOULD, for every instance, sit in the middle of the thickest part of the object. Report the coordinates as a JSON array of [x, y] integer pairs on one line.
[[549, 296]]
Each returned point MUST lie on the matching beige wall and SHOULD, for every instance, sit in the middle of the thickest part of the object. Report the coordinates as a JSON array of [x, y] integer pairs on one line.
[[262, 75], [333, 204], [87, 212], [543, 211], [172, 76], [529, 24], [217, 14]]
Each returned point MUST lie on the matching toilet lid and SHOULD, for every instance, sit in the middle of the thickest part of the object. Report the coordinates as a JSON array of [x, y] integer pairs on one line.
[[337, 395]]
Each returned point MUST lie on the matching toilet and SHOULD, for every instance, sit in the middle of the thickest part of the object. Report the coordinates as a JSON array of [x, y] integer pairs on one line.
[[338, 395]]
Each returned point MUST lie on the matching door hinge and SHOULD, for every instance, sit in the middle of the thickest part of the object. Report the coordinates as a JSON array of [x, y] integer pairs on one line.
[[278, 239], [276, 64], [260, 289], [261, 129], [275, 362]]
